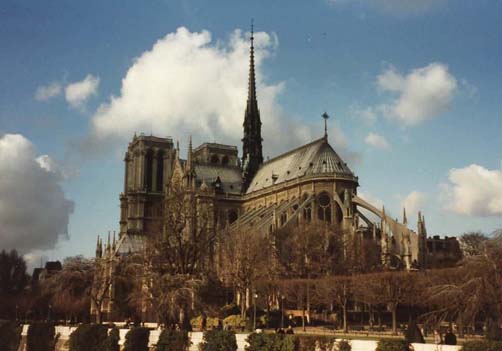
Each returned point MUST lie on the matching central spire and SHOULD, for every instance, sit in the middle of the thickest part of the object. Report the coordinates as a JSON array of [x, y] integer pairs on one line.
[[252, 156]]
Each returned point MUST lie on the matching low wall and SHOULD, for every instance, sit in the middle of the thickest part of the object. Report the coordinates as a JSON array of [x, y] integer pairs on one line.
[[196, 338]]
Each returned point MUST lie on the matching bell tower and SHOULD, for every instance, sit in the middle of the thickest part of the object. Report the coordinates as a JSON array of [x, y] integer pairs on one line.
[[252, 156]]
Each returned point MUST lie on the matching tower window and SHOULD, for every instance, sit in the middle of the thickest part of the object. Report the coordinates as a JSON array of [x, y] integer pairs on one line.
[[215, 159], [324, 209], [225, 160]]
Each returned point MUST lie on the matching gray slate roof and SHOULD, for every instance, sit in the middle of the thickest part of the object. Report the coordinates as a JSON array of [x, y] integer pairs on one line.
[[230, 176], [315, 158]]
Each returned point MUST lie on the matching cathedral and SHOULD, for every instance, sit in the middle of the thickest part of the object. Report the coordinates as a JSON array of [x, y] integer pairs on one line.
[[310, 183]]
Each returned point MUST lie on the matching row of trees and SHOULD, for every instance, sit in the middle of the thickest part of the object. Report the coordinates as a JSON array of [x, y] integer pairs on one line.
[[307, 267]]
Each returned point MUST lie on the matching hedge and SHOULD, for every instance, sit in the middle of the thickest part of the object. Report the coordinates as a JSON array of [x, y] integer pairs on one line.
[[278, 342], [112, 341], [10, 335], [390, 345], [137, 339], [270, 342], [218, 340], [343, 345], [173, 340], [89, 337], [41, 337], [482, 345]]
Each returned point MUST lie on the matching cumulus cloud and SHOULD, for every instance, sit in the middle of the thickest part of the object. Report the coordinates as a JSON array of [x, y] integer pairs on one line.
[[394, 7], [188, 84], [473, 190], [34, 211], [414, 202], [422, 94], [78, 93], [377, 141], [47, 92]]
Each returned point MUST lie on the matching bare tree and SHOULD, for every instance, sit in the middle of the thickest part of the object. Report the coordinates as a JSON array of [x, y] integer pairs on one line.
[[174, 263], [389, 288], [472, 243], [246, 260], [477, 290], [338, 290], [70, 289]]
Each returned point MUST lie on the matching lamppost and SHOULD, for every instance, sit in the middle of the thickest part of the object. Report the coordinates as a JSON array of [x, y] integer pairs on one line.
[[282, 311], [255, 296]]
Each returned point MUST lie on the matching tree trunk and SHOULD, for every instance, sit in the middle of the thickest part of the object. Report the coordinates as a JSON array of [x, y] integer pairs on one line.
[[394, 319], [303, 318], [460, 323], [345, 325], [98, 315]]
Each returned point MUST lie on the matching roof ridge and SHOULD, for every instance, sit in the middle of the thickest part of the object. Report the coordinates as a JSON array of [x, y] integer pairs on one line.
[[287, 153]]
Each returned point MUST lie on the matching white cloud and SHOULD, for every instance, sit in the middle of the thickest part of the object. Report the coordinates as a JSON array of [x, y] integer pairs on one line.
[[473, 190], [367, 114], [422, 94], [47, 92], [377, 141], [414, 202], [34, 212], [78, 93], [187, 84], [394, 7]]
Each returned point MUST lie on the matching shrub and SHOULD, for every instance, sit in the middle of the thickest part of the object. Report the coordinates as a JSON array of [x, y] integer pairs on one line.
[[229, 310], [482, 345], [89, 337], [343, 345], [273, 319], [41, 337], [112, 341], [314, 343], [218, 340], [235, 321], [271, 342], [173, 340], [210, 322], [137, 339], [10, 335], [390, 345]]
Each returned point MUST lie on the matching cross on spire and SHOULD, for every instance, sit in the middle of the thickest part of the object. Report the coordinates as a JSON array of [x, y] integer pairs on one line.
[[325, 116]]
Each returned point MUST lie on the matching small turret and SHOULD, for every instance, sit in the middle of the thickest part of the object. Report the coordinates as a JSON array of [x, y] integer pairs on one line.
[[99, 248], [384, 240], [422, 242], [108, 246], [405, 220]]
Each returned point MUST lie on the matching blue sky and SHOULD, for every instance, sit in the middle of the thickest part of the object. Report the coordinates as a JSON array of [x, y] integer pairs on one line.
[[414, 92]]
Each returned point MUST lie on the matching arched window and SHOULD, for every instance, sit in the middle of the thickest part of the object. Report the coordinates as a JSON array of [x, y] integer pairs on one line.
[[307, 210], [284, 218], [232, 216], [148, 169], [324, 207], [224, 160], [215, 159], [160, 171]]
